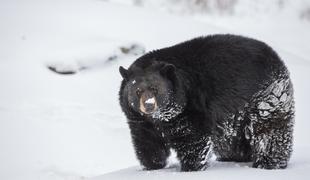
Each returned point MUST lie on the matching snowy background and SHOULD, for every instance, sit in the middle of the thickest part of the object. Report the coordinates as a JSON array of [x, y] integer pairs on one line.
[[57, 127]]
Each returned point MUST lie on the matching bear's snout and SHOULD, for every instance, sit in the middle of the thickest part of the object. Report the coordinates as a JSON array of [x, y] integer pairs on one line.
[[148, 103]]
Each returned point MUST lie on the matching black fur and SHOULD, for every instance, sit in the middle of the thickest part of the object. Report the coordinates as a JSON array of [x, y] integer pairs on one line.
[[225, 93]]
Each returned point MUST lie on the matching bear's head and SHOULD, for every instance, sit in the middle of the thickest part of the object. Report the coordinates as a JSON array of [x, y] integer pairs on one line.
[[153, 90]]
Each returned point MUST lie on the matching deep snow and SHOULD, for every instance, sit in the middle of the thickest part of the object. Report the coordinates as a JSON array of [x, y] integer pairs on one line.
[[71, 127]]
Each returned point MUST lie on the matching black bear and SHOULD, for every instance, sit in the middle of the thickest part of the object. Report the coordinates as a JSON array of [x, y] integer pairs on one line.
[[222, 94]]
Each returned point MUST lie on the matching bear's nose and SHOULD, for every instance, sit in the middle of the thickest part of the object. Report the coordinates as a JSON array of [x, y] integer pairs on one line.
[[148, 104]]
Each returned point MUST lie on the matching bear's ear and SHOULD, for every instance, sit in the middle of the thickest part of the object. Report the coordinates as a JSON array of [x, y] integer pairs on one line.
[[168, 70], [124, 72]]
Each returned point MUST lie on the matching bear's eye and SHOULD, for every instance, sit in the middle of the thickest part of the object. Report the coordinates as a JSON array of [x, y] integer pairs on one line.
[[138, 92], [154, 90]]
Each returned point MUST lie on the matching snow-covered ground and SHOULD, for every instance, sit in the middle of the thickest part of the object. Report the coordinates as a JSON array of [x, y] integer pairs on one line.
[[71, 127]]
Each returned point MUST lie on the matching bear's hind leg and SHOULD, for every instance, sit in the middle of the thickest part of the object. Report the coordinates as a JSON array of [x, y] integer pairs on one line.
[[271, 126], [272, 149]]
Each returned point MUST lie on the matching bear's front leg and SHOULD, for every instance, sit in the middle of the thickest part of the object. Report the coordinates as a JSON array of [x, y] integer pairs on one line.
[[194, 153], [150, 147]]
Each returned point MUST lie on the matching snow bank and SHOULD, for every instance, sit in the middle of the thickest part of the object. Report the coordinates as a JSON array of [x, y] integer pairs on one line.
[[297, 169]]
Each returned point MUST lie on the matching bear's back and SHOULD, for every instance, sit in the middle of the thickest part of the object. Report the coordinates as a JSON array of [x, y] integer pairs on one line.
[[231, 67], [221, 52]]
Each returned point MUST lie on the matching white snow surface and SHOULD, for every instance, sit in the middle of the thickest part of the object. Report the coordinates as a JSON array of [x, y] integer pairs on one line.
[[71, 127]]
